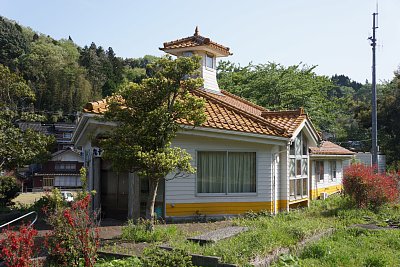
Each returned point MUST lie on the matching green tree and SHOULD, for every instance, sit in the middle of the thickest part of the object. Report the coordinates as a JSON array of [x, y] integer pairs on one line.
[[55, 75], [18, 147], [12, 42], [276, 87], [148, 116], [9, 189], [388, 120]]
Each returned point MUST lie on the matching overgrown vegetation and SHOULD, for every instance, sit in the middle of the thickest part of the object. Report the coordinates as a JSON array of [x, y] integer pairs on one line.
[[138, 232], [153, 257], [286, 229], [368, 188], [354, 247]]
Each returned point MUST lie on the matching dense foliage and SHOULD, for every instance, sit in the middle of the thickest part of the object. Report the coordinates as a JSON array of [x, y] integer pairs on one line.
[[62, 75], [368, 188], [9, 189], [17, 248], [18, 147], [281, 88]]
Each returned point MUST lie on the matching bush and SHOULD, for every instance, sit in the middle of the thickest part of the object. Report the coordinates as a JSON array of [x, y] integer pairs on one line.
[[9, 189], [155, 257], [49, 202], [368, 188], [16, 249], [74, 236]]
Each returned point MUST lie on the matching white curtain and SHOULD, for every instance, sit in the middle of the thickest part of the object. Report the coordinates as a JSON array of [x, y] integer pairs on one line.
[[241, 172], [211, 172]]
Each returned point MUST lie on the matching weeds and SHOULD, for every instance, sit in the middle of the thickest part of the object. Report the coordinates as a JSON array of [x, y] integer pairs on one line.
[[138, 232]]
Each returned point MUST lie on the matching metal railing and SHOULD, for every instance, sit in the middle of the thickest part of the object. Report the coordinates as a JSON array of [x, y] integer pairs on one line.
[[21, 217]]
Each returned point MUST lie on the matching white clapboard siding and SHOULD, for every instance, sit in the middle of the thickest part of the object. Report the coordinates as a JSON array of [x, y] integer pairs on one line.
[[183, 190]]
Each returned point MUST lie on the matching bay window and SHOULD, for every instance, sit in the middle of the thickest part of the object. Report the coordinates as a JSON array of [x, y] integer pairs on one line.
[[298, 168], [226, 172]]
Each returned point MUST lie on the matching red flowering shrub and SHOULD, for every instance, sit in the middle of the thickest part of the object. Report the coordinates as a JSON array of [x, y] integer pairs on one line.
[[368, 188], [74, 236], [16, 249]]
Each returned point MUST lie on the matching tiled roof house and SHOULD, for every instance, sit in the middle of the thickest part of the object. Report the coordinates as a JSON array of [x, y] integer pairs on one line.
[[247, 157]]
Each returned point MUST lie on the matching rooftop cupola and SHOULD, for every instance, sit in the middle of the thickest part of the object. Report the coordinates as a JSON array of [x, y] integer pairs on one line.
[[204, 47]]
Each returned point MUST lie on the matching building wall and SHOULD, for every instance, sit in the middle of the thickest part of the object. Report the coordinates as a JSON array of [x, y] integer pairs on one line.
[[182, 199], [328, 185]]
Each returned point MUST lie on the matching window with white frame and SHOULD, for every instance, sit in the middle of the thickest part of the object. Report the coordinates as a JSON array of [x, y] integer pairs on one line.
[[209, 61], [226, 172], [298, 168], [319, 170], [333, 173]]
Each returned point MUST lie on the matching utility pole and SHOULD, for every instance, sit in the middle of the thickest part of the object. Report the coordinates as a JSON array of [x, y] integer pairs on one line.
[[374, 149]]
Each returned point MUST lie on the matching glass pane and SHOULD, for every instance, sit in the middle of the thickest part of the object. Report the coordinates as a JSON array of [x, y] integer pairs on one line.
[[320, 170], [304, 167], [304, 142], [211, 172], [305, 191], [291, 167], [298, 167], [291, 187], [241, 172], [299, 187], [209, 61], [333, 170], [298, 145], [292, 148]]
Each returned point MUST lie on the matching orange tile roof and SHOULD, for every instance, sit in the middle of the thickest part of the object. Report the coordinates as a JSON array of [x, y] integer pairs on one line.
[[289, 119], [329, 148], [226, 111], [194, 41]]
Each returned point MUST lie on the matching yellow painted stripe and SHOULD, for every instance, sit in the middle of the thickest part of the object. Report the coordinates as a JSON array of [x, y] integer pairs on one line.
[[315, 193], [214, 208]]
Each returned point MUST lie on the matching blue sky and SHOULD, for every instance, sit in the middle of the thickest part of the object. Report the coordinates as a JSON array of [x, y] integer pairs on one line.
[[329, 33]]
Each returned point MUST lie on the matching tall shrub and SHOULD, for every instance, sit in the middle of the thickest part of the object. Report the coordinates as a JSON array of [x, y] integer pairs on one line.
[[369, 188], [74, 236]]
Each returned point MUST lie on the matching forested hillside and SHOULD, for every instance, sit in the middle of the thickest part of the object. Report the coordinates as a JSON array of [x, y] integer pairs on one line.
[[63, 76]]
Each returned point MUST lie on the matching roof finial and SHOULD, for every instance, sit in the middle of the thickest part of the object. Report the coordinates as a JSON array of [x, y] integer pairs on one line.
[[196, 31]]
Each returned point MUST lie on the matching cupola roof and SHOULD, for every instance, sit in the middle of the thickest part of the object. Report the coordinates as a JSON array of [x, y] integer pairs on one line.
[[195, 42]]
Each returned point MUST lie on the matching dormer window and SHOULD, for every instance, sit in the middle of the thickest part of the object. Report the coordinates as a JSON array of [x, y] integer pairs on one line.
[[209, 61], [187, 54]]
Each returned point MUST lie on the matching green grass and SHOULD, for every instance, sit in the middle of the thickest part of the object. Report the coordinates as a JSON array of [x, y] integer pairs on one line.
[[128, 262], [286, 229], [139, 233], [346, 247], [355, 247]]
